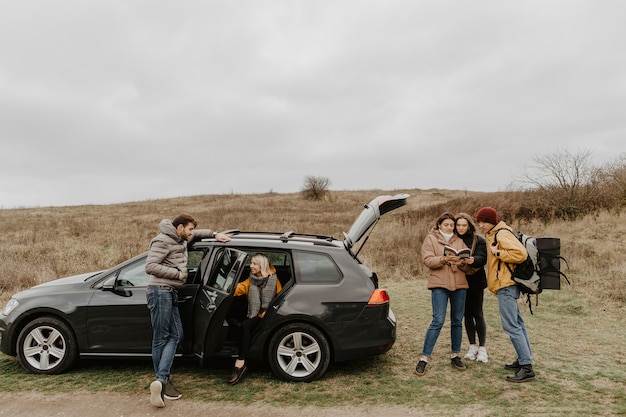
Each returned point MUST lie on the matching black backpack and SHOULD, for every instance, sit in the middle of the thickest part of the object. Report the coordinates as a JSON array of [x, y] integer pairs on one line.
[[540, 270]]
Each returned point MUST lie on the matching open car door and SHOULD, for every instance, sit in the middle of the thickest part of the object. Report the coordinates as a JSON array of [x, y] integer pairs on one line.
[[214, 299]]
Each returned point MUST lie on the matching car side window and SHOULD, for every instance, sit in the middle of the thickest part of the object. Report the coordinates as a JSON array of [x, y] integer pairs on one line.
[[281, 260], [194, 260], [225, 270], [315, 267], [133, 275]]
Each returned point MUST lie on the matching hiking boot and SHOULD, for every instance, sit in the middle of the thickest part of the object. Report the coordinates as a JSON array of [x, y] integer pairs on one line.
[[471, 353], [458, 363], [170, 392], [514, 366], [156, 394], [420, 369], [482, 356], [525, 374]]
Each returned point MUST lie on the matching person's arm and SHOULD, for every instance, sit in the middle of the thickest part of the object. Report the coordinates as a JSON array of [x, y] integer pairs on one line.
[[429, 254], [480, 253], [205, 233], [510, 249], [156, 265], [242, 288]]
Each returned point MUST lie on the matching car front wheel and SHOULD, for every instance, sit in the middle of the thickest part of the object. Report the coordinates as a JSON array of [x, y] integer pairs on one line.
[[299, 352], [46, 346]]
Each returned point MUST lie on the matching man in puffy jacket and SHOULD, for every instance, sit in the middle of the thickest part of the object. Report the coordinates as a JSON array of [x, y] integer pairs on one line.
[[507, 249], [167, 266]]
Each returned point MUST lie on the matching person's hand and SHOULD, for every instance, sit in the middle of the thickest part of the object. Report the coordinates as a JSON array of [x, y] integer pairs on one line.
[[222, 237], [452, 259], [494, 249], [468, 261]]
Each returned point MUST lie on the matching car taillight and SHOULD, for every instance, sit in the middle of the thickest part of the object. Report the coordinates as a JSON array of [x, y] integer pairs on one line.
[[379, 296]]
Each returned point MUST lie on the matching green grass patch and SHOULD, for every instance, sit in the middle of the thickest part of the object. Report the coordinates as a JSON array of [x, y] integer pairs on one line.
[[576, 349]]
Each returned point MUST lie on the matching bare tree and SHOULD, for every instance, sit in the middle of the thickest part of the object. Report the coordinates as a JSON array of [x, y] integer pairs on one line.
[[567, 182], [562, 169], [315, 188]]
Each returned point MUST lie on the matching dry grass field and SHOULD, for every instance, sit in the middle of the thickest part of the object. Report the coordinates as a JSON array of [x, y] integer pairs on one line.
[[577, 333], [41, 244]]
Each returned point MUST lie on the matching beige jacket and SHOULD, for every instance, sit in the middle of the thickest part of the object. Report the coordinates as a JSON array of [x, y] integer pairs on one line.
[[442, 275]]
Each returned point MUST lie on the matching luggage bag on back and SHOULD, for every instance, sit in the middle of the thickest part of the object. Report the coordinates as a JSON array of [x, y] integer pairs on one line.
[[549, 260]]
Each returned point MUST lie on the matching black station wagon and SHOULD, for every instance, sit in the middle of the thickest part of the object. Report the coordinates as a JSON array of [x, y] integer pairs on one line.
[[330, 307]]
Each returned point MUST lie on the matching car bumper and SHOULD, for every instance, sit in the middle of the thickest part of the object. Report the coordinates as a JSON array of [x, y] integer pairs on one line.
[[373, 334]]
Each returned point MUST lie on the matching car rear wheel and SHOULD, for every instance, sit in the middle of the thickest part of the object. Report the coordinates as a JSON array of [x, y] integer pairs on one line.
[[46, 346], [299, 352]]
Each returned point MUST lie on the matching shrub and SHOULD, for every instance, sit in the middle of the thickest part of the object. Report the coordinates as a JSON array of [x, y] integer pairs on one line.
[[315, 188]]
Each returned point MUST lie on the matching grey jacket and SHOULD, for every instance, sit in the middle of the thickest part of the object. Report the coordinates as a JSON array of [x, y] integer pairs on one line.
[[168, 255]]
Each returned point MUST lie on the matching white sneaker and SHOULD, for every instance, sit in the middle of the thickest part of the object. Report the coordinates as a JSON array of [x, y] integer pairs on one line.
[[471, 354], [156, 394], [482, 355]]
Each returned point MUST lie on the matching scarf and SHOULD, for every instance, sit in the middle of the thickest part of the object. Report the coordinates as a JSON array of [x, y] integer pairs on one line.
[[262, 290], [446, 236]]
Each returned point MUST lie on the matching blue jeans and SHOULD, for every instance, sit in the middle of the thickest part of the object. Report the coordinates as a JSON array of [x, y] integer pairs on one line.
[[513, 324], [167, 328], [440, 297]]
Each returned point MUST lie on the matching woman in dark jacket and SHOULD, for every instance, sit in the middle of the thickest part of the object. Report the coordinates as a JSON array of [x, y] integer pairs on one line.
[[474, 268]]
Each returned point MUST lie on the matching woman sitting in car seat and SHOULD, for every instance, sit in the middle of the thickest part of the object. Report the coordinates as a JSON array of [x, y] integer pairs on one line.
[[261, 287]]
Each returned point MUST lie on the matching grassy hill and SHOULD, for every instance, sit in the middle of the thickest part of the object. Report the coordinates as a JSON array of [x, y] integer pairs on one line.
[[577, 333]]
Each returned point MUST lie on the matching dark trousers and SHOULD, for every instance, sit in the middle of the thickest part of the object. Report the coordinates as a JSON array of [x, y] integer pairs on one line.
[[474, 318], [248, 327]]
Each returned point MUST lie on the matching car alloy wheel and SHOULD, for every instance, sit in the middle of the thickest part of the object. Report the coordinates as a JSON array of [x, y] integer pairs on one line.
[[299, 352], [46, 346]]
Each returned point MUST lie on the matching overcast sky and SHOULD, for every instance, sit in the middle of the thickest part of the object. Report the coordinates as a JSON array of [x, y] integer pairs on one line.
[[115, 101]]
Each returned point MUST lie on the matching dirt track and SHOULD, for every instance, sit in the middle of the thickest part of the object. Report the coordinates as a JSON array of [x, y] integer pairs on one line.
[[36, 404]]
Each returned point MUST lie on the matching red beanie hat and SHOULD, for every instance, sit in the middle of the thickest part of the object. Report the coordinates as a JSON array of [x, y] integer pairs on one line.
[[487, 215]]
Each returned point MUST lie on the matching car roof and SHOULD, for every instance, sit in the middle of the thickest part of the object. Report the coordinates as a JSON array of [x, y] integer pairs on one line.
[[364, 223], [277, 238]]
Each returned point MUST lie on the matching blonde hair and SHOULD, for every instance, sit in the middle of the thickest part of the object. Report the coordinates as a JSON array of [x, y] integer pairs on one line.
[[264, 263]]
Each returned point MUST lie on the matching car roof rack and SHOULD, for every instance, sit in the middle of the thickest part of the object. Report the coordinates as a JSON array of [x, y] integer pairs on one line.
[[283, 236]]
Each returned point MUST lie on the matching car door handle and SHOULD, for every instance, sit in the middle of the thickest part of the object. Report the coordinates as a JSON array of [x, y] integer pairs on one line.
[[278, 304], [185, 299]]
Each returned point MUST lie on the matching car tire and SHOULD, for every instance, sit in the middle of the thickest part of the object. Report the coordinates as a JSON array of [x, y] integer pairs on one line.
[[46, 346], [299, 352]]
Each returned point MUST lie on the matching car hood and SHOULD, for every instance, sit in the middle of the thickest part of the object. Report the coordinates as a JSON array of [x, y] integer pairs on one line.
[[75, 279], [370, 215]]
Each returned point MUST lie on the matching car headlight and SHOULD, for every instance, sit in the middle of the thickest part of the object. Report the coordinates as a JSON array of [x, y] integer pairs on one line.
[[10, 306]]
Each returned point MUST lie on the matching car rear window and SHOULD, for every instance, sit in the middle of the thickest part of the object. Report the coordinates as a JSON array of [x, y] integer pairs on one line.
[[315, 267]]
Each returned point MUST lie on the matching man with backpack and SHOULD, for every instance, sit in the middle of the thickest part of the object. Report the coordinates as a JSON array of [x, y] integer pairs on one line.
[[507, 250]]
